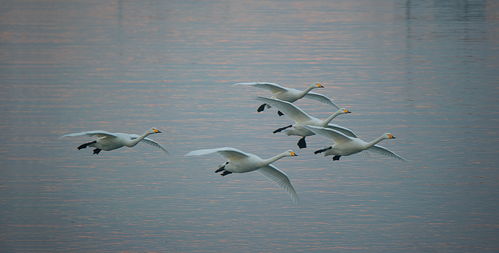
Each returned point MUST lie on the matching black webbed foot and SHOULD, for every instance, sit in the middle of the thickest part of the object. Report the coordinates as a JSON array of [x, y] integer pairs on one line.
[[322, 150], [261, 108], [282, 128], [302, 143], [336, 157], [97, 151], [84, 145], [221, 168], [226, 173]]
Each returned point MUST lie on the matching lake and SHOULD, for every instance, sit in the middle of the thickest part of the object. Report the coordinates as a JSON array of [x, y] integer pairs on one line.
[[426, 71]]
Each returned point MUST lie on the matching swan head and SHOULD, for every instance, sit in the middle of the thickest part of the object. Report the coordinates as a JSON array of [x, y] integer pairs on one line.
[[344, 111], [291, 153], [318, 85], [389, 136], [154, 131]]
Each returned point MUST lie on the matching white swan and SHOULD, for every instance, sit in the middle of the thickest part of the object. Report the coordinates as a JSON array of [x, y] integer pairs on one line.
[[242, 162], [109, 141], [290, 94], [302, 119], [346, 145]]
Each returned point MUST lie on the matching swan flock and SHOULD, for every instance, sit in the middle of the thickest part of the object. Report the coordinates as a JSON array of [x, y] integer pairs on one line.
[[344, 141]]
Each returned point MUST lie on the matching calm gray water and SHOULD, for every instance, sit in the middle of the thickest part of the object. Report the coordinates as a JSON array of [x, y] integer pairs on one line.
[[426, 71]]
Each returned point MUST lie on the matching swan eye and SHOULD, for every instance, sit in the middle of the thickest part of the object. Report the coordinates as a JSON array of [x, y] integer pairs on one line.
[[318, 85]]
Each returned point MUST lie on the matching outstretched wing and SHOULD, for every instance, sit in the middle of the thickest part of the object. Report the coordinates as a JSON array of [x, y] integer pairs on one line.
[[321, 98], [386, 152], [341, 129], [151, 142], [98, 133], [278, 176], [289, 109], [273, 87], [227, 152], [337, 137]]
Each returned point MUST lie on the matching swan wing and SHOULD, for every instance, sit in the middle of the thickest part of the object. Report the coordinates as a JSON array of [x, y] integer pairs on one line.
[[386, 152], [98, 133], [321, 98], [153, 143], [337, 137], [288, 109], [273, 173], [273, 87], [227, 152], [341, 129]]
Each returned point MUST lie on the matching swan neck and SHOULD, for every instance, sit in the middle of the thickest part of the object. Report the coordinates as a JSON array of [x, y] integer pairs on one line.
[[334, 115], [375, 141], [307, 90], [275, 158], [140, 138]]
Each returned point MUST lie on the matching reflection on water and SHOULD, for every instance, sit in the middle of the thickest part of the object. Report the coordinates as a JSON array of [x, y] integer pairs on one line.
[[423, 70]]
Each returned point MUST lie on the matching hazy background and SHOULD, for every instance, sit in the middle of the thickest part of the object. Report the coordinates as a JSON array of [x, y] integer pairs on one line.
[[426, 71]]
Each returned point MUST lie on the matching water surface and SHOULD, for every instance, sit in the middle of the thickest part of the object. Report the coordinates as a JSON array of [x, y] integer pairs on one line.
[[425, 71]]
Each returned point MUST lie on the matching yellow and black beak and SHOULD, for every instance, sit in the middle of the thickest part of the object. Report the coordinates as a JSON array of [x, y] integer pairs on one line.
[[390, 136], [156, 131], [293, 153], [346, 111], [318, 85]]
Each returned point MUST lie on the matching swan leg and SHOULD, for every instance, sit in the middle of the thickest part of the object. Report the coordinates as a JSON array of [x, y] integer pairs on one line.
[[336, 157], [221, 167], [322, 150], [261, 108], [84, 145], [97, 151], [302, 143], [226, 173], [280, 113], [282, 128]]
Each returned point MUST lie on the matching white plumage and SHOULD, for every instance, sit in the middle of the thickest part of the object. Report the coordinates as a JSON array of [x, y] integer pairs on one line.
[[242, 162]]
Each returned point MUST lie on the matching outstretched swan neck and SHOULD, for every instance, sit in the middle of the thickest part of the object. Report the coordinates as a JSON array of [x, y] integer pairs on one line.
[[334, 115], [275, 158], [375, 141], [140, 138], [307, 90]]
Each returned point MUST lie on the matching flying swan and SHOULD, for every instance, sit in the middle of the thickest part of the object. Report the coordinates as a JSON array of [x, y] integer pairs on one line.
[[346, 145], [109, 141], [302, 119], [242, 162], [289, 94]]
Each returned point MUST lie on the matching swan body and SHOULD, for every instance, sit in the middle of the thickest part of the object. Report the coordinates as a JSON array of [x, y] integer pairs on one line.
[[303, 119], [108, 141], [290, 94], [346, 145], [242, 162]]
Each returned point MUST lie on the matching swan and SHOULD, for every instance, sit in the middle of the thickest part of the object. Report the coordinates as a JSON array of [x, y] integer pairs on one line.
[[302, 119], [290, 94], [109, 141], [242, 162], [345, 145]]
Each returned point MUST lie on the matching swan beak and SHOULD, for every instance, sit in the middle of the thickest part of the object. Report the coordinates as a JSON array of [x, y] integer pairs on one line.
[[293, 153], [156, 131], [390, 136], [318, 85], [347, 111]]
